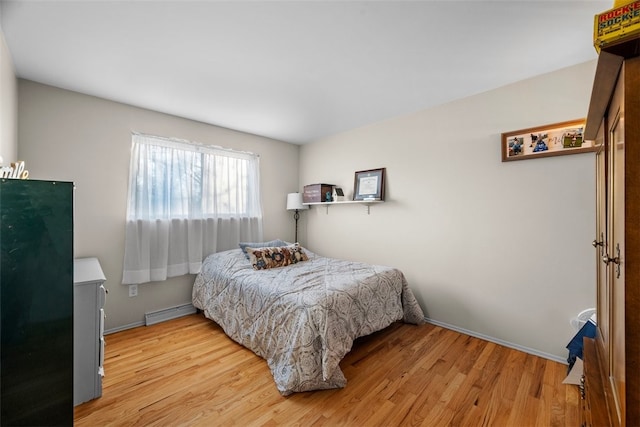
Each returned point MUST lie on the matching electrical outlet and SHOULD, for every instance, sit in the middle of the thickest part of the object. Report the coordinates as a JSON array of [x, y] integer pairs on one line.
[[133, 290]]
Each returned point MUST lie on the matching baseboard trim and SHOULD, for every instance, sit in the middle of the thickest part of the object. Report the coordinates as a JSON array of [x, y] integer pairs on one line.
[[153, 317], [186, 309], [123, 328], [497, 341]]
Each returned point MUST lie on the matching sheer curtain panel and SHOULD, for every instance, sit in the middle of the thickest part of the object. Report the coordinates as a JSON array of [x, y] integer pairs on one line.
[[186, 201]]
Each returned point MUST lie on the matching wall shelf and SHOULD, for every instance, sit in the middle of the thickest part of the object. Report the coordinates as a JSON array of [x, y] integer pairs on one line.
[[366, 203]]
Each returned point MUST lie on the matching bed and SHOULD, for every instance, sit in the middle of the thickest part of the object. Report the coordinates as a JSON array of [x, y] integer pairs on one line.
[[302, 318]]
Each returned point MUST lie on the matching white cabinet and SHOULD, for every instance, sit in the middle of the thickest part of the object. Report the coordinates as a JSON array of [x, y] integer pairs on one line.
[[88, 329]]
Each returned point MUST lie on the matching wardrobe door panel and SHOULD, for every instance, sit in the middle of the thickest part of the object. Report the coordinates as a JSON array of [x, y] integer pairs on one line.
[[616, 248], [600, 241]]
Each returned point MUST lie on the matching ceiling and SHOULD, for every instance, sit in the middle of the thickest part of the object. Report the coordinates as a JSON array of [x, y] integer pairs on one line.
[[295, 71]]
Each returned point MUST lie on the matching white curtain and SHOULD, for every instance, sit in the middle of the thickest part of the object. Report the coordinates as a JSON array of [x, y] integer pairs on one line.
[[186, 201]]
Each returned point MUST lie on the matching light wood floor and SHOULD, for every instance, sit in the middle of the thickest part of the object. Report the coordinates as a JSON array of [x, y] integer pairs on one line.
[[186, 372]]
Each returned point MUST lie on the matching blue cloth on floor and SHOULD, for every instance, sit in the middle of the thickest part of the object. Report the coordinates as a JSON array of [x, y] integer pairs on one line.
[[576, 344]]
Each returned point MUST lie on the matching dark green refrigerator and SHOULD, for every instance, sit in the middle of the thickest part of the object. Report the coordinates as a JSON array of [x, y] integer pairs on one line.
[[36, 302]]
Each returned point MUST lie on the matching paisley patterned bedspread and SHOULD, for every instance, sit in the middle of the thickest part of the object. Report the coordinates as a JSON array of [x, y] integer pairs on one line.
[[303, 318]]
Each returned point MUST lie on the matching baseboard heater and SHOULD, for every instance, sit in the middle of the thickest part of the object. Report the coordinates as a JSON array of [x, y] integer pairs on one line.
[[165, 314]]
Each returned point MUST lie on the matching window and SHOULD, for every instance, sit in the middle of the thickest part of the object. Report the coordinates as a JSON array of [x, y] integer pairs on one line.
[[186, 201]]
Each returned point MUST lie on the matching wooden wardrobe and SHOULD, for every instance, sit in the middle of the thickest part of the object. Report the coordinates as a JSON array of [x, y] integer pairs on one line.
[[611, 389]]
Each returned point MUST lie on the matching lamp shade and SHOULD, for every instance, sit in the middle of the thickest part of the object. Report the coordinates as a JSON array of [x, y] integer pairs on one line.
[[294, 202]]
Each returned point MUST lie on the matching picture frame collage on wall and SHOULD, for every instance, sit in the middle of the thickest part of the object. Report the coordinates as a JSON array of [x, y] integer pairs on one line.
[[545, 141]]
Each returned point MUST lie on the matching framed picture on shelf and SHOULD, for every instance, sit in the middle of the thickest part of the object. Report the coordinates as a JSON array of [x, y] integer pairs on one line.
[[369, 185], [545, 141]]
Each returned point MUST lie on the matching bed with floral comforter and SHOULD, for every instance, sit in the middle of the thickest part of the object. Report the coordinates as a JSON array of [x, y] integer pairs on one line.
[[302, 318]]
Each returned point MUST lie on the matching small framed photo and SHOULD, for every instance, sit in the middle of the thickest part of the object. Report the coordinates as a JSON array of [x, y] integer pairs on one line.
[[369, 185], [544, 141]]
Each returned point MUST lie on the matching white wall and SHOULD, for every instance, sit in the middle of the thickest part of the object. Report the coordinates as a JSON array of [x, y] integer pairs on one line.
[[8, 106], [69, 136], [499, 249]]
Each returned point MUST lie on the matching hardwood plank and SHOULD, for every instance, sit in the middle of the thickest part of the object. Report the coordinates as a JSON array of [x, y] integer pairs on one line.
[[188, 372]]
